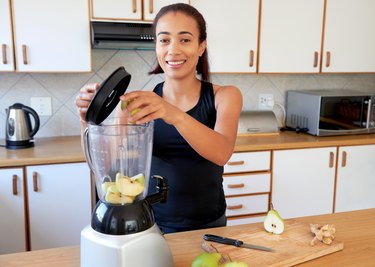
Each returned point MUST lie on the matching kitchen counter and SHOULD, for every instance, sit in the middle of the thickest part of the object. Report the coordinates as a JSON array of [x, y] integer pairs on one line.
[[355, 229], [68, 149]]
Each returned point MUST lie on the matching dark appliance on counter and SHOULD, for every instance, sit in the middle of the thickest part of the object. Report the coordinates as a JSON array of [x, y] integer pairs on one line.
[[18, 129], [331, 112]]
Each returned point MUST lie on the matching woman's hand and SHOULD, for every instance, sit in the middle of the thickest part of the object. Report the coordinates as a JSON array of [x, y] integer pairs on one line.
[[84, 97]]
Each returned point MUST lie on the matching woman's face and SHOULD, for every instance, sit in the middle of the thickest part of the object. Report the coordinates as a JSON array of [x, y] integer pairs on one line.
[[177, 45]]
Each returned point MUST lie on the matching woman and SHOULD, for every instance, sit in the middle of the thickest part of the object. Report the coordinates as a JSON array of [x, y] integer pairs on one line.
[[195, 122]]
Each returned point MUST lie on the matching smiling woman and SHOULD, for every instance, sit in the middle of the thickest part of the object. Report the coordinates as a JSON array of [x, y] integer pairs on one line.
[[195, 122]]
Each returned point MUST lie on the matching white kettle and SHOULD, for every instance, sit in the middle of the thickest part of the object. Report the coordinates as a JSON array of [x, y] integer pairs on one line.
[[18, 130]]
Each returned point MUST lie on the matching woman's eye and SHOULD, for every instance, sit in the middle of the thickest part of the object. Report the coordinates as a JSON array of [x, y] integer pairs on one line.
[[163, 41], [185, 40]]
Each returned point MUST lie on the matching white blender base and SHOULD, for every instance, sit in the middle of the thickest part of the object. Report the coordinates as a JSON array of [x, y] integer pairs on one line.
[[144, 249]]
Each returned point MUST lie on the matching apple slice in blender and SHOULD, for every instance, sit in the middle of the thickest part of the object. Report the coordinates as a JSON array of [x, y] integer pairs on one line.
[[140, 178], [128, 187], [107, 185], [118, 198]]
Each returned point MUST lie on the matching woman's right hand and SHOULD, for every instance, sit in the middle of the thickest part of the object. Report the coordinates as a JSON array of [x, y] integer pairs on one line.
[[84, 97]]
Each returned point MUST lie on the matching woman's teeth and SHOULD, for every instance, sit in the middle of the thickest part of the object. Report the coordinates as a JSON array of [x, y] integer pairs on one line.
[[175, 62]]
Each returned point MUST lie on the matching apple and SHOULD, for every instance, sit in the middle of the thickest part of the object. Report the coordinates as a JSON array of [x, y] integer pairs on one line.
[[118, 198], [236, 264], [129, 187], [273, 222], [206, 260]]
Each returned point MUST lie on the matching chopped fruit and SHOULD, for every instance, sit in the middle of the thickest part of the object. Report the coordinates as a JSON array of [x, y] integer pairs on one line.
[[128, 187]]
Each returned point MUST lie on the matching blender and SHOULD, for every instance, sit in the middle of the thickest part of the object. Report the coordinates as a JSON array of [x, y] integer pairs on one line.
[[123, 232]]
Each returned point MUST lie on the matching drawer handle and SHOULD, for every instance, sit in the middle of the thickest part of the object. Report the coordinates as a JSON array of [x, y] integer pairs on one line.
[[251, 58], [316, 55], [235, 207], [241, 185], [343, 162], [4, 48], [235, 163], [15, 192], [331, 159], [151, 6], [134, 6], [328, 59], [24, 54], [35, 181]]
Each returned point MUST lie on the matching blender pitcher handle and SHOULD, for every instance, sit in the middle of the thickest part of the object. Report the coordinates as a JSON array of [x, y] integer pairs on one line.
[[86, 147]]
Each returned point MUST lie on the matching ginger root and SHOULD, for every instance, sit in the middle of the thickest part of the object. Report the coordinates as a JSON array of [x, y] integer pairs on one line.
[[323, 233]]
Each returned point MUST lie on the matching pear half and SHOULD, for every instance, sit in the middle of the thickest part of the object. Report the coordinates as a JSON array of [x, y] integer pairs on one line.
[[129, 187], [273, 222], [206, 260]]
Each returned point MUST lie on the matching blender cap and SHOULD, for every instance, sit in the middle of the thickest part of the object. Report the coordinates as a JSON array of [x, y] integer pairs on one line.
[[107, 96]]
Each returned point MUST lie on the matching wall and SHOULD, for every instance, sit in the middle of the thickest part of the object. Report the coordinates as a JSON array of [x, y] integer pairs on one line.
[[63, 88]]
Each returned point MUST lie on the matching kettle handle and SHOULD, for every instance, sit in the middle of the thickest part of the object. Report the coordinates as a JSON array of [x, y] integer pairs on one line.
[[33, 113]]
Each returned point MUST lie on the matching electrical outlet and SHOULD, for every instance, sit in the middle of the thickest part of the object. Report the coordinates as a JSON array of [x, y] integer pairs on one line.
[[42, 105], [265, 101]]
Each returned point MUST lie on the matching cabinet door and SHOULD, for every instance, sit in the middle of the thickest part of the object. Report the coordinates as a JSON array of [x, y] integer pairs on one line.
[[6, 42], [355, 178], [232, 34], [117, 9], [303, 181], [349, 36], [152, 7], [59, 204], [290, 36], [52, 35], [12, 211]]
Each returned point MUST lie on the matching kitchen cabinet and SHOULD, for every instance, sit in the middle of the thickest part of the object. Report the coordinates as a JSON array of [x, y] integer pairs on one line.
[[141, 10], [6, 41], [232, 34], [303, 181], [59, 197], [51, 36], [246, 184], [291, 36], [355, 178], [12, 211], [349, 36]]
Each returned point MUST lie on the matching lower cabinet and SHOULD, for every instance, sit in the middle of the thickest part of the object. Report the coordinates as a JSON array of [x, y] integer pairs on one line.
[[59, 198], [12, 211], [303, 181]]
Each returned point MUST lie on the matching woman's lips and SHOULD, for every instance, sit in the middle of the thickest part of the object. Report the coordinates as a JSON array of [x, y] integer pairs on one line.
[[175, 63]]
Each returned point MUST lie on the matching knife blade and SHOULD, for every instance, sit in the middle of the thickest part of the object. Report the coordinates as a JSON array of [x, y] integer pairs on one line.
[[234, 242]]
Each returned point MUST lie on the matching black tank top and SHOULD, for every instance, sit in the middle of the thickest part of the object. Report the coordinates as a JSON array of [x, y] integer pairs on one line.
[[195, 195]]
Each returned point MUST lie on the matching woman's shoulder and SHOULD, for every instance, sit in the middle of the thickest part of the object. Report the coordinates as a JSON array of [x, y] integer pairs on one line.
[[226, 90]]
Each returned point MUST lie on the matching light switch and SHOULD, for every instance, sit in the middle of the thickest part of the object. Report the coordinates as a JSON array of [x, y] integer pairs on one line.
[[42, 105]]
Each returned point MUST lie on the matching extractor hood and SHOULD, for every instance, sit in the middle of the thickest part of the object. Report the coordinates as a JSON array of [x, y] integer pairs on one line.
[[122, 35]]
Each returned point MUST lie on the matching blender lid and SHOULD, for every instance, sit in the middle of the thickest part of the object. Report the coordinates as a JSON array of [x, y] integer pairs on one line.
[[107, 97]]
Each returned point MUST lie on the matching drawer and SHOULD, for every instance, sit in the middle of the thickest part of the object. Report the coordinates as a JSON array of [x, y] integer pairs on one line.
[[248, 162], [246, 184], [246, 205]]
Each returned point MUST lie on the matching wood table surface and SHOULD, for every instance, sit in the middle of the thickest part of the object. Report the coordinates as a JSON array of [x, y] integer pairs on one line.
[[355, 229]]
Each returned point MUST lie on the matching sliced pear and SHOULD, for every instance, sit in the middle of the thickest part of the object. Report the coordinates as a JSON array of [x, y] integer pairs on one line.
[[107, 185], [118, 198], [273, 222], [206, 260], [140, 178], [128, 187]]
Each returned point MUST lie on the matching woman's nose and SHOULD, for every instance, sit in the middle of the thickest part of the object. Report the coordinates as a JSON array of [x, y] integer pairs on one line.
[[174, 48]]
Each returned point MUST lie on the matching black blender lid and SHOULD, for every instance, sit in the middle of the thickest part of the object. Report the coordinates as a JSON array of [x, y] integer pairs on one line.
[[107, 97]]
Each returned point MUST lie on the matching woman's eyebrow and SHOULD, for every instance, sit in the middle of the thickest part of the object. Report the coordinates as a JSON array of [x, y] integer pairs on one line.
[[182, 32]]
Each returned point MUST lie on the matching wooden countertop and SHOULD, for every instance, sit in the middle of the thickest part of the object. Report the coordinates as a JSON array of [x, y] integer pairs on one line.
[[356, 229], [68, 149]]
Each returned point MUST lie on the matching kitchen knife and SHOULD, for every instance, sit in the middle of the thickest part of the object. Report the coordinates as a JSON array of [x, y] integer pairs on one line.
[[234, 242]]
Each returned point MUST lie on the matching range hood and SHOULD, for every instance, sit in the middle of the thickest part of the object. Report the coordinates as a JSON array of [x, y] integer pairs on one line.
[[122, 35]]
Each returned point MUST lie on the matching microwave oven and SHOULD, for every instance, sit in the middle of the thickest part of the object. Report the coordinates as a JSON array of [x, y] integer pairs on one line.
[[330, 112]]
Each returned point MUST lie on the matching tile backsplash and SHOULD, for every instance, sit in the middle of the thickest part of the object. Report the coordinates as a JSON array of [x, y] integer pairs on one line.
[[63, 87]]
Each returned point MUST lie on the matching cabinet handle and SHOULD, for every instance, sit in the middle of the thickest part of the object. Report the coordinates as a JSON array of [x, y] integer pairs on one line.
[[328, 59], [24, 54], [134, 6], [15, 192], [4, 49], [236, 185], [251, 58], [331, 159], [235, 207], [343, 162], [234, 163], [316, 55], [151, 6], [35, 181]]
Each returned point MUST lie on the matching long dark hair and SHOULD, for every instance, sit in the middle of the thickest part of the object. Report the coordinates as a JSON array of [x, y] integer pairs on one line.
[[202, 66]]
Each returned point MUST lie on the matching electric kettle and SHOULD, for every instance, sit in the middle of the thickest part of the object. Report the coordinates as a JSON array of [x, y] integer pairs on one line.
[[18, 129]]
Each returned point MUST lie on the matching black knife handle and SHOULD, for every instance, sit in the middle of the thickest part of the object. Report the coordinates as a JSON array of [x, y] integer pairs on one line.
[[223, 240]]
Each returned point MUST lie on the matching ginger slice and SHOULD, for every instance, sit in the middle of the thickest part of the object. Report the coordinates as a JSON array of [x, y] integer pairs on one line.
[[323, 233]]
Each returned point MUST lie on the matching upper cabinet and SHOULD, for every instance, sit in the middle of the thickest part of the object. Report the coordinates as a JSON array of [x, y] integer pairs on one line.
[[141, 10], [349, 36], [232, 34], [291, 36], [6, 42], [50, 36]]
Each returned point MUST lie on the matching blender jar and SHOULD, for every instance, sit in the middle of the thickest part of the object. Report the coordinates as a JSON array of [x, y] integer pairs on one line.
[[120, 157]]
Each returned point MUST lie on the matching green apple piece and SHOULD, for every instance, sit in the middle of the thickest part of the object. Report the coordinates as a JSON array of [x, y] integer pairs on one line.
[[128, 187], [140, 178], [107, 185], [273, 222], [236, 264], [118, 198], [206, 260]]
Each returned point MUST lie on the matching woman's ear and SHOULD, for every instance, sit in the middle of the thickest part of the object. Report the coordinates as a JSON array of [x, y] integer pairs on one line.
[[202, 47]]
